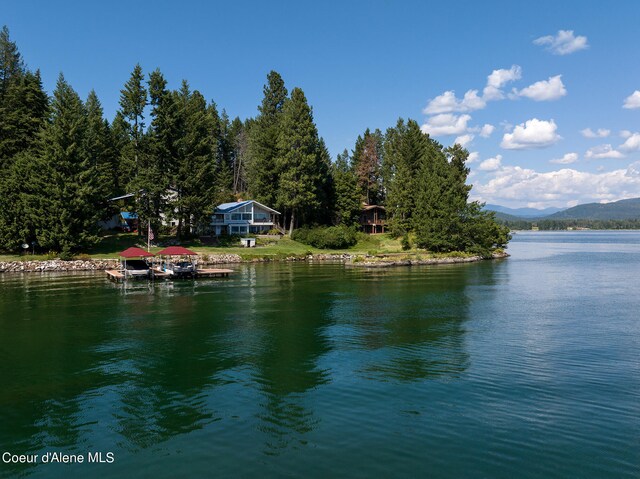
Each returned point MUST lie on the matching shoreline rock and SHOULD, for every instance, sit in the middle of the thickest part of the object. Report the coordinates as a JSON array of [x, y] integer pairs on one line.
[[57, 265]]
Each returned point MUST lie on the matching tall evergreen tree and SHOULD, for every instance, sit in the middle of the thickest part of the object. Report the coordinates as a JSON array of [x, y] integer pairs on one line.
[[61, 200], [238, 138], [120, 144], [133, 100], [263, 172], [195, 180], [23, 112], [101, 155], [367, 160], [347, 203], [299, 162], [11, 65], [405, 148]]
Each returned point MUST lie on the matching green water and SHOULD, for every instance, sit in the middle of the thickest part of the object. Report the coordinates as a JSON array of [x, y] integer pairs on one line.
[[525, 367]]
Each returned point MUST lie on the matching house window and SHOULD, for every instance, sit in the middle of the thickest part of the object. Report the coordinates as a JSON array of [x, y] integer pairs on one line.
[[246, 216], [236, 216]]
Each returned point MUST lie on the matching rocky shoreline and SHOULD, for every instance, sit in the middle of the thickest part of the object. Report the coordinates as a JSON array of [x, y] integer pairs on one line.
[[352, 260]]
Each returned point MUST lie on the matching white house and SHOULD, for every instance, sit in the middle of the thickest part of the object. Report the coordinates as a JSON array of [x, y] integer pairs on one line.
[[243, 217]]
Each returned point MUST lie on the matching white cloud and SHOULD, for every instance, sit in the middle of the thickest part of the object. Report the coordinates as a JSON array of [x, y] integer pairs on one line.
[[625, 134], [544, 90], [446, 124], [464, 140], [563, 43], [491, 164], [566, 187], [487, 130], [601, 152], [533, 133], [600, 133], [632, 101], [632, 143], [497, 80], [566, 159], [473, 156], [448, 103]]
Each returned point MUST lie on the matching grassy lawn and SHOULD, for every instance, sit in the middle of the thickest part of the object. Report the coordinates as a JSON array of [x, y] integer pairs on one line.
[[111, 245]]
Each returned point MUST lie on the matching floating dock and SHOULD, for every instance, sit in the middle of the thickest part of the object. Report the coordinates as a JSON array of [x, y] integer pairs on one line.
[[115, 275], [120, 276], [213, 273]]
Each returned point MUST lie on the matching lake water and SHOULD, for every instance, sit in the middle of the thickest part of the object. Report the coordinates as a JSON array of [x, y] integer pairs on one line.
[[525, 367]]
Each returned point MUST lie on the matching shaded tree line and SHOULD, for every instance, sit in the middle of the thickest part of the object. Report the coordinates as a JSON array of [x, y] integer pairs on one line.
[[179, 156], [563, 224]]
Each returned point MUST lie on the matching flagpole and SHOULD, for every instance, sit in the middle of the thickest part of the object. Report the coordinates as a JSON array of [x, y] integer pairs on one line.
[[148, 235]]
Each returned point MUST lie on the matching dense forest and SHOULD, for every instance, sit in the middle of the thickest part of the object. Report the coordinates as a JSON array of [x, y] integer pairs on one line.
[[553, 224], [61, 160]]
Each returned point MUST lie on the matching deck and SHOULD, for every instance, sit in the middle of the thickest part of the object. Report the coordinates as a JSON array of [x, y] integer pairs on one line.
[[119, 276], [213, 273], [115, 275]]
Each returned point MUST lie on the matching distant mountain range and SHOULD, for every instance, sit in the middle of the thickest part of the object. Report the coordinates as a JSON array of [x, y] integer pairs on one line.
[[618, 210], [523, 212]]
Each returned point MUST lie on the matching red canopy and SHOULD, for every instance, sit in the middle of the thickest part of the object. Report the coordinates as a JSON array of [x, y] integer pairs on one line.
[[176, 251], [135, 252]]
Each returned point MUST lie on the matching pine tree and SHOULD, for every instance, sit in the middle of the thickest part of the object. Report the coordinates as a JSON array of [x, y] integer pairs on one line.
[[121, 144], [11, 65], [367, 160], [263, 173], [101, 156], [22, 115], [195, 179], [238, 139], [133, 100], [23, 111], [63, 181], [405, 148], [434, 214], [299, 162], [347, 204]]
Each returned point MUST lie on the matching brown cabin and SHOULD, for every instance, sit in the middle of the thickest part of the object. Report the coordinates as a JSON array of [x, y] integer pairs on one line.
[[373, 219]]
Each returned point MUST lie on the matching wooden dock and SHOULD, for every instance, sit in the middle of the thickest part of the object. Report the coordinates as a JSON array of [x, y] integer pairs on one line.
[[119, 276], [158, 274], [115, 275], [213, 273]]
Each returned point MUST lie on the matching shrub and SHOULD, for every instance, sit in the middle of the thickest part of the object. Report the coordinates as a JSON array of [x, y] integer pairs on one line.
[[405, 242], [66, 255], [332, 237], [228, 240]]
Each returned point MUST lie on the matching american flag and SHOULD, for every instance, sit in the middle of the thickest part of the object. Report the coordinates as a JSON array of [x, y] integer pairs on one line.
[[151, 235]]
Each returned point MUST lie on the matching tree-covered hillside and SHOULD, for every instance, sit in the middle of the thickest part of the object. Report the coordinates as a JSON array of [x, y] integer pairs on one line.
[[618, 210], [61, 161]]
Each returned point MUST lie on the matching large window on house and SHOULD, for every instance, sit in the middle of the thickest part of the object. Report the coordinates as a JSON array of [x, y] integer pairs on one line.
[[236, 216]]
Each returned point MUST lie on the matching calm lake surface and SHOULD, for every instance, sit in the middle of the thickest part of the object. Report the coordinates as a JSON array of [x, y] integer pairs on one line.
[[524, 367]]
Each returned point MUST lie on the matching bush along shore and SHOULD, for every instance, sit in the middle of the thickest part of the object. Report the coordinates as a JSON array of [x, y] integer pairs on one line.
[[352, 260]]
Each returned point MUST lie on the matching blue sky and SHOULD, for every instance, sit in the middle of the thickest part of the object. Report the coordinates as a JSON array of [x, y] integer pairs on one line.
[[545, 83]]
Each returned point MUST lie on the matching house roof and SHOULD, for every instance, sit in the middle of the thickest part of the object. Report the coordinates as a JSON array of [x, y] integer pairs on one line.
[[229, 207], [128, 195], [129, 216], [135, 252], [371, 207], [176, 251]]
